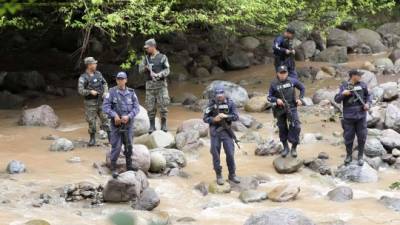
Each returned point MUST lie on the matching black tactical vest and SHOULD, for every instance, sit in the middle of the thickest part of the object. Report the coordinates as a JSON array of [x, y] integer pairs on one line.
[[352, 100], [94, 82], [286, 88], [157, 64], [217, 108]]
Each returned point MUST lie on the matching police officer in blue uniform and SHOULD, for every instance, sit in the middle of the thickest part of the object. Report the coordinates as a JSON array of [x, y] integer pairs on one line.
[[354, 96], [220, 113], [283, 96], [122, 106], [284, 52]]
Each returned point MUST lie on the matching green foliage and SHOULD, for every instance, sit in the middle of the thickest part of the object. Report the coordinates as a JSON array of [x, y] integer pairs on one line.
[[395, 186]]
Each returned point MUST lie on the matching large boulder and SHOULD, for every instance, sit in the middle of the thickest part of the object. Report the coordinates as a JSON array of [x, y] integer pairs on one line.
[[15, 166], [246, 183], [383, 63], [41, 116], [141, 124], [392, 117], [237, 59], [390, 139], [173, 157], [268, 147], [128, 186], [318, 165], [306, 50], [390, 91], [158, 163], [334, 54], [188, 141], [374, 148], [157, 139], [22, 81], [10, 101], [389, 28], [391, 203], [395, 55], [194, 124], [281, 216], [284, 193], [323, 94], [249, 43], [140, 157], [358, 174], [148, 200], [287, 164], [338, 37], [369, 78], [235, 92], [62, 145], [249, 196], [370, 38], [257, 104], [340, 194], [204, 61], [301, 28]]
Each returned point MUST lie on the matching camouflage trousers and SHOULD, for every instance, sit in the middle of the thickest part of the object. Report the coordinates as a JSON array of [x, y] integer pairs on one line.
[[93, 109], [158, 96]]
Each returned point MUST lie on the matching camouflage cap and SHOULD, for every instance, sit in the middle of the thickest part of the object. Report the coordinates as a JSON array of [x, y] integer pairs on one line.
[[89, 60], [150, 43]]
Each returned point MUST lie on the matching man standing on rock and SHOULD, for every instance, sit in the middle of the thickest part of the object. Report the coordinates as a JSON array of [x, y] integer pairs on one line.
[[356, 101], [93, 87], [284, 52], [220, 113], [283, 97], [122, 106], [156, 68]]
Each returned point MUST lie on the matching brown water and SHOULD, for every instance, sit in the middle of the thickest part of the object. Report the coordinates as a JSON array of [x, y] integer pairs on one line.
[[49, 170]]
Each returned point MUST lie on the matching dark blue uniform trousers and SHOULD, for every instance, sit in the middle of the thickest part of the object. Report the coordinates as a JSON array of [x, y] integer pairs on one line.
[[353, 127], [223, 138], [289, 132], [117, 141]]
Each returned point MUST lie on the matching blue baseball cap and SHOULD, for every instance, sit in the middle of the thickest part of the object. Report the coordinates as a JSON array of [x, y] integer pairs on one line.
[[219, 90], [282, 68], [122, 75]]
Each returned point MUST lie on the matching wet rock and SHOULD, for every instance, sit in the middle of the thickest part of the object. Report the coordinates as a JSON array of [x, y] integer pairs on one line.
[[188, 141], [157, 139], [337, 37], [194, 124], [37, 222], [142, 124], [287, 165], [280, 216], [370, 38], [174, 157], [15, 166], [249, 196], [41, 116], [333, 54], [340, 194], [249, 43], [323, 94], [127, 187], [391, 203], [268, 147], [158, 163], [319, 166], [373, 148], [235, 92], [148, 200], [236, 60], [214, 188], [10, 101], [375, 162], [358, 174], [21, 81], [390, 139], [246, 183], [284, 193], [62, 144], [257, 104], [389, 159], [202, 187]]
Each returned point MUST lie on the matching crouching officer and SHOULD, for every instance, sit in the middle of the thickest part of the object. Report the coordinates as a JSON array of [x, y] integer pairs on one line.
[[122, 106], [356, 101], [283, 96], [93, 87], [284, 52], [220, 113]]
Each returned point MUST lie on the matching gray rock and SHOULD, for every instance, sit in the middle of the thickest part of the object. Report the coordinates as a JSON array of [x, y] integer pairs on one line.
[[188, 141], [323, 94], [341, 194], [158, 163], [395, 55], [15, 166], [383, 63], [323, 155], [391, 203], [307, 49], [235, 92], [216, 70], [10, 101], [257, 104], [204, 61], [392, 117], [41, 116], [369, 78], [238, 126], [174, 157], [281, 216], [287, 165], [127, 187], [373, 148], [202, 72], [142, 124], [141, 157], [268, 147], [375, 117], [246, 183], [237, 59], [390, 139], [148, 200], [200, 105], [377, 94], [333, 54], [62, 144], [337, 37], [370, 38], [284, 193], [194, 124], [202, 188], [389, 28], [318, 165], [249, 43], [249, 196], [214, 188], [390, 91], [358, 174], [301, 28], [157, 139]]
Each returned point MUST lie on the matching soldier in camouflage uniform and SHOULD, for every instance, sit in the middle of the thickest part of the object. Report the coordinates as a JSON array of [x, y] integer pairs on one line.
[[156, 68], [93, 87]]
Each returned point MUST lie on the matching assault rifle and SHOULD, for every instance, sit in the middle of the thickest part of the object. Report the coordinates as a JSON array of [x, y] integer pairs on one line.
[[226, 126], [286, 107], [350, 87], [150, 67]]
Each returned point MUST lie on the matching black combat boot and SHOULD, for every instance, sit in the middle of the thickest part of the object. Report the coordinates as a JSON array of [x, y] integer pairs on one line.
[[92, 140], [220, 179], [293, 151], [285, 150], [114, 171], [152, 125], [360, 161], [233, 178], [164, 124], [129, 166], [349, 156]]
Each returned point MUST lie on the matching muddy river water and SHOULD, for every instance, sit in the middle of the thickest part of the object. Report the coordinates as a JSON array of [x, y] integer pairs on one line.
[[50, 170]]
